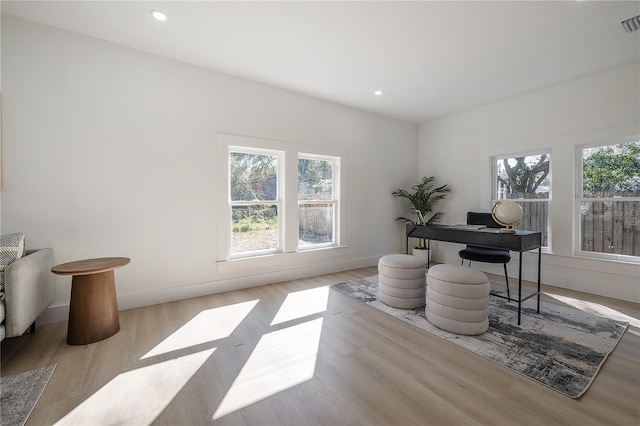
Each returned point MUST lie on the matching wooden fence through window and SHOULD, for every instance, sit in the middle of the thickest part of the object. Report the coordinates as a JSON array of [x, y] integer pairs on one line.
[[606, 226], [611, 226]]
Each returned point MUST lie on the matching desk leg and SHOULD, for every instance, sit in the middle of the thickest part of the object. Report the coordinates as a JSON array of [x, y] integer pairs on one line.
[[539, 263], [519, 286]]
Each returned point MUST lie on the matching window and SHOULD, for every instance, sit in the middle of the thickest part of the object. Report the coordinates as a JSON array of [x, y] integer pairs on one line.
[[278, 198], [526, 180], [317, 202], [608, 200], [254, 200]]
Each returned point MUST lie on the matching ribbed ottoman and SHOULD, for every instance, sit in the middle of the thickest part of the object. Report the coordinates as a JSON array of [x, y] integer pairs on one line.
[[401, 281], [458, 299]]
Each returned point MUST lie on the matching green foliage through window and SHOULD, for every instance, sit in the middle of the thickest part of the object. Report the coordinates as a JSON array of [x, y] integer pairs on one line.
[[253, 177], [315, 179], [610, 203], [611, 170]]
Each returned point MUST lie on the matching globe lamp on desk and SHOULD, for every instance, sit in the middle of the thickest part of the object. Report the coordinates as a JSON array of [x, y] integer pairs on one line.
[[506, 213]]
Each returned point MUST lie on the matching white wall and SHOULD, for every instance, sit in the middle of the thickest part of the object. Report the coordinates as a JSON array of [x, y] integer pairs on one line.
[[457, 149], [0, 123], [109, 151]]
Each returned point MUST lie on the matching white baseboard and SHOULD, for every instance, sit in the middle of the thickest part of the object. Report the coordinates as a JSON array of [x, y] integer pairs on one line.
[[603, 279], [147, 298]]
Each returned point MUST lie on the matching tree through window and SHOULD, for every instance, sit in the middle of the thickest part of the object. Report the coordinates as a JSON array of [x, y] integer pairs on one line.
[[526, 180]]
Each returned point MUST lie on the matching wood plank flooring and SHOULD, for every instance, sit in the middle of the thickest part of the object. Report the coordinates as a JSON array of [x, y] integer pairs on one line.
[[295, 353]]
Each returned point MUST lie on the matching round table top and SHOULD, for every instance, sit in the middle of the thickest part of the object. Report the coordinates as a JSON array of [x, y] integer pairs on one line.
[[90, 266]]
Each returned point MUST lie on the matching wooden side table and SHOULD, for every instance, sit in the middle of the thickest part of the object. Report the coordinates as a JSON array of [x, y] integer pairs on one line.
[[93, 310]]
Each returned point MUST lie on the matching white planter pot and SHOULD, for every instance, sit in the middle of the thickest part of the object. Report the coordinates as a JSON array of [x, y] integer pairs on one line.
[[422, 254]]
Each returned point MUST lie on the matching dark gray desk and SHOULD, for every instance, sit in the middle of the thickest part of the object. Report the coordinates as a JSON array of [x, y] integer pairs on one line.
[[521, 241]]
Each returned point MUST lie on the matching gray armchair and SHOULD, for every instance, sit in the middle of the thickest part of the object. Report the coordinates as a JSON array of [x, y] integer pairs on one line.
[[28, 288]]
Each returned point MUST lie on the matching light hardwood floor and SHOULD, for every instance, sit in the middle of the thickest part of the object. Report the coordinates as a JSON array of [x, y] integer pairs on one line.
[[296, 353]]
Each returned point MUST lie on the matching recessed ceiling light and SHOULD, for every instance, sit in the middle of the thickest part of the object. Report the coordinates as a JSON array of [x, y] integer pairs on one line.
[[378, 92], [160, 16]]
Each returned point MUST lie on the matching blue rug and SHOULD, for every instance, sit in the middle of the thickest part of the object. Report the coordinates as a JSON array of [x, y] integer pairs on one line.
[[561, 347]]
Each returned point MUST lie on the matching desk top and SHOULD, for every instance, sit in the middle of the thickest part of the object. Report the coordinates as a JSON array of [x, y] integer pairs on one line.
[[485, 237], [90, 266]]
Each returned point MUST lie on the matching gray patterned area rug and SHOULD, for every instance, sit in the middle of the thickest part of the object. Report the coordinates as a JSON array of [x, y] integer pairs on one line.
[[19, 394], [560, 347]]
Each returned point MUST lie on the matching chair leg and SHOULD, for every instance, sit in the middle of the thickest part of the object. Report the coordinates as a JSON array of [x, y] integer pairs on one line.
[[506, 279]]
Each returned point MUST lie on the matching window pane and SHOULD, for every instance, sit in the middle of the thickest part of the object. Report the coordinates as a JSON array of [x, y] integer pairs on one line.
[[527, 178], [610, 227], [316, 224], [524, 177], [611, 171], [253, 177], [315, 179], [535, 218], [255, 228]]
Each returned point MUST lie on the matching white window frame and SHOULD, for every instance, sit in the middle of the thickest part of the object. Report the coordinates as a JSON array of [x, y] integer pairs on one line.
[[278, 202], [494, 189], [579, 198], [289, 253], [335, 197]]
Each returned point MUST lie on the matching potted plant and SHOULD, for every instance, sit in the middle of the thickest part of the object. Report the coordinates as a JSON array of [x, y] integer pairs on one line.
[[423, 198]]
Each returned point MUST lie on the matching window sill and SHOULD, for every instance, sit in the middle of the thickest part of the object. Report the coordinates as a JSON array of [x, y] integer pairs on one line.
[[614, 258]]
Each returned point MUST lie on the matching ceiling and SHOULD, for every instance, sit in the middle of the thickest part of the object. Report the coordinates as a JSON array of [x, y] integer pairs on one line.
[[430, 58]]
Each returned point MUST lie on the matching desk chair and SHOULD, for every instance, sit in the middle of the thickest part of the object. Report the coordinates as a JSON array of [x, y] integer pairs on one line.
[[484, 254]]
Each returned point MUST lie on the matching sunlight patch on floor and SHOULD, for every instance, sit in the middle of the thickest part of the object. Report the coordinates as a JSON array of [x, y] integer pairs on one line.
[[138, 396], [207, 326], [300, 304], [281, 360], [596, 309]]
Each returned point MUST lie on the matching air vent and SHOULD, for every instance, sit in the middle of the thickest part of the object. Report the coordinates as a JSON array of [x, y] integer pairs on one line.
[[632, 24]]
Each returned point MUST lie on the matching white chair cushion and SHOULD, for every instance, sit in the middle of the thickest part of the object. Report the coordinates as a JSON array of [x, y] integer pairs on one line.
[[457, 302], [419, 282], [464, 315], [402, 273], [457, 274], [405, 293], [401, 303], [470, 291], [458, 299], [401, 261], [458, 327]]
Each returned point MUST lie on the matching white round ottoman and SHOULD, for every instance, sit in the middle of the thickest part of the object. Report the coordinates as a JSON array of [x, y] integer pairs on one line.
[[401, 281], [458, 299]]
